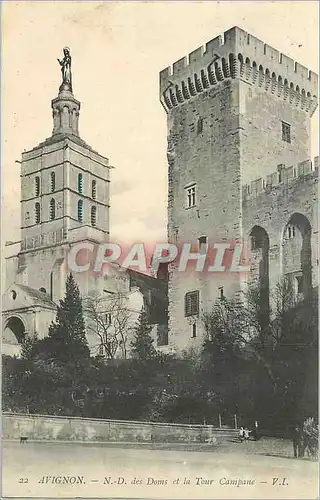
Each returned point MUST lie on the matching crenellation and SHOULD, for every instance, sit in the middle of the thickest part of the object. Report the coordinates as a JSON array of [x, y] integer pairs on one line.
[[301, 70], [165, 74], [213, 45], [196, 54], [257, 47], [272, 54], [288, 174], [304, 168], [180, 65], [256, 187], [243, 52], [287, 63], [272, 179], [313, 77]]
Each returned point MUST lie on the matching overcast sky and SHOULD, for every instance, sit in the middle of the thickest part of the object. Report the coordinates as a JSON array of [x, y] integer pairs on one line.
[[118, 50]]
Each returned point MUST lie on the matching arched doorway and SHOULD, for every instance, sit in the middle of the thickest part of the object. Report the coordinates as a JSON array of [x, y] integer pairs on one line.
[[259, 267], [14, 332], [296, 254]]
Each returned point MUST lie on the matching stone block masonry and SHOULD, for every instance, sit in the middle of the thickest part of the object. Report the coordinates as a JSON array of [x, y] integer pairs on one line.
[[238, 114]]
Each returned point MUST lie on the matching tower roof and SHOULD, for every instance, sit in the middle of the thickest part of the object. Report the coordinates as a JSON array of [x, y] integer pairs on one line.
[[65, 110]]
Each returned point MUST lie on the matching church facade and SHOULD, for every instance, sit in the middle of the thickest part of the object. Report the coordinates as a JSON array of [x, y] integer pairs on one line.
[[238, 128]]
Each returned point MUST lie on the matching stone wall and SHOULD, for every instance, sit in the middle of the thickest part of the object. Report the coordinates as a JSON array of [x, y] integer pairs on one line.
[[273, 204], [228, 106], [42, 427]]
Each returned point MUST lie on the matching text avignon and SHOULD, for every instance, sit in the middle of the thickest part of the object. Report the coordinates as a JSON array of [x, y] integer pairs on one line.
[[62, 480]]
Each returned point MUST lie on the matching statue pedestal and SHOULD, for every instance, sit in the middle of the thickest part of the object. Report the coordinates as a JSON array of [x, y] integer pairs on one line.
[[65, 87], [65, 110]]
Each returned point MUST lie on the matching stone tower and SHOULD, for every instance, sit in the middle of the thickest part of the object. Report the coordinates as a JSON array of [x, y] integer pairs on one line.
[[64, 199], [237, 110]]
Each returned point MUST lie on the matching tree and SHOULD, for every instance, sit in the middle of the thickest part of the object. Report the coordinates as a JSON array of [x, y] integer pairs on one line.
[[236, 324], [109, 321], [66, 343], [142, 344]]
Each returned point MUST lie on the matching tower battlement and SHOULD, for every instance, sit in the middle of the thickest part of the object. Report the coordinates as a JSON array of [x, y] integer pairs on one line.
[[237, 54], [282, 177]]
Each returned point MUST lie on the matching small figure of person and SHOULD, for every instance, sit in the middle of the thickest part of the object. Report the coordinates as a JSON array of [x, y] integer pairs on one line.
[[246, 434], [241, 434], [310, 438], [297, 441], [255, 431]]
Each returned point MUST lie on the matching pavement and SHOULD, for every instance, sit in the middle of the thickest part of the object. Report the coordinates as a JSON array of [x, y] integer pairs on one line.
[[262, 469]]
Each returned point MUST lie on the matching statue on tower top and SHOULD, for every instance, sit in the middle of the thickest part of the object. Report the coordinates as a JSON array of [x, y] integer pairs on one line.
[[65, 64]]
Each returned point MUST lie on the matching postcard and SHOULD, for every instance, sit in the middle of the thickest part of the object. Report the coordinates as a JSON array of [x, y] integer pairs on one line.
[[160, 250]]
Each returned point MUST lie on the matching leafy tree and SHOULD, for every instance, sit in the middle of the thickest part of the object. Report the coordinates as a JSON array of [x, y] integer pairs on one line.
[[142, 344]]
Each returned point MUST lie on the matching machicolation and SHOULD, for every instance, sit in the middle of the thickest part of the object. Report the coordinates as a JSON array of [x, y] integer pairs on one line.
[[237, 54]]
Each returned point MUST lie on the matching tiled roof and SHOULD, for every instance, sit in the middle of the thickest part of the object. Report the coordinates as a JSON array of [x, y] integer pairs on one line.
[[38, 296]]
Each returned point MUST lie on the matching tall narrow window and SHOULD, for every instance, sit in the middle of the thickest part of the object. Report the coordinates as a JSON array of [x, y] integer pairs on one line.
[[52, 211], [191, 303], [194, 330], [190, 196], [93, 216], [80, 210], [291, 232], [286, 132], [53, 181], [280, 168], [37, 213], [94, 189], [37, 186], [51, 285], [202, 242], [299, 284], [80, 183], [200, 125]]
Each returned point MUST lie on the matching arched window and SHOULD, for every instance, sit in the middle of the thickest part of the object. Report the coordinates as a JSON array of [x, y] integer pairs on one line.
[[37, 186], [80, 183], [80, 210], [53, 181], [52, 211], [94, 189], [37, 213], [93, 216]]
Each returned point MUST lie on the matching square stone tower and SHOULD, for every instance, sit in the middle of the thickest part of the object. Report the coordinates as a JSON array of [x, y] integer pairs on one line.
[[237, 110]]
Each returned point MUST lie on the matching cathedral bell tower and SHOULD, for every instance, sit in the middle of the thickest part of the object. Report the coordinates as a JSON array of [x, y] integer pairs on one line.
[[64, 192]]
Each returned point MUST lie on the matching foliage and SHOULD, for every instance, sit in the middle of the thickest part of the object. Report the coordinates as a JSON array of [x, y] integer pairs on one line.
[[259, 370], [142, 344], [66, 343]]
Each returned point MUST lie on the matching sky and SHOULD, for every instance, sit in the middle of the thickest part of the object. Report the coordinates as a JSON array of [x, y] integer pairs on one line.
[[118, 49]]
